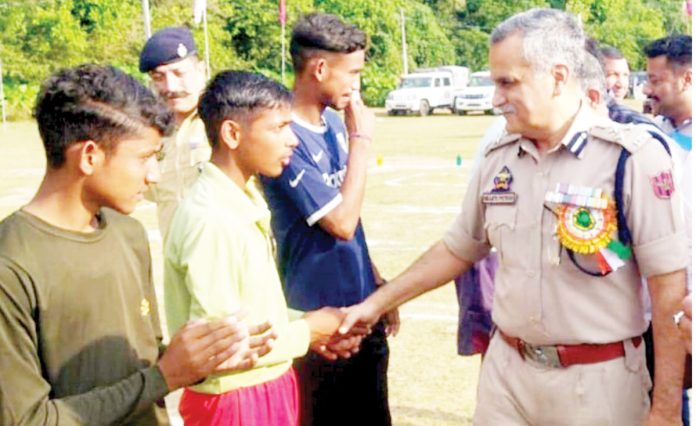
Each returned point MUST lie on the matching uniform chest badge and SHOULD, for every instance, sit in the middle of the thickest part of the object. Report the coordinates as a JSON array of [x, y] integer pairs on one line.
[[501, 192], [663, 185], [587, 224]]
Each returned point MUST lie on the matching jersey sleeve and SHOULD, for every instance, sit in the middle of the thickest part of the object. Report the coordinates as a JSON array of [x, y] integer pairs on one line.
[[25, 395], [306, 185]]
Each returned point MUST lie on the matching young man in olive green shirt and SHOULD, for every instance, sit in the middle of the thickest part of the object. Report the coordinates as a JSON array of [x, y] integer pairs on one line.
[[79, 329]]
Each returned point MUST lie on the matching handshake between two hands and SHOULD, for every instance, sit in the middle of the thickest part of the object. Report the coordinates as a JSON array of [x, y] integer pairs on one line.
[[203, 347], [338, 332], [334, 333]]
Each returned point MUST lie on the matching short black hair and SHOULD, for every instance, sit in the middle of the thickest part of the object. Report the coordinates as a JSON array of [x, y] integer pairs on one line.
[[677, 49], [98, 103], [233, 95], [610, 52], [321, 31]]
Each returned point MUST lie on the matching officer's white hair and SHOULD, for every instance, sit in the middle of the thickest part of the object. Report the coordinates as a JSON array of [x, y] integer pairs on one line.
[[592, 76], [549, 37]]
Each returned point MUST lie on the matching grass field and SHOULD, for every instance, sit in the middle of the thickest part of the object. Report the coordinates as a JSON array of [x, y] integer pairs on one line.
[[411, 198]]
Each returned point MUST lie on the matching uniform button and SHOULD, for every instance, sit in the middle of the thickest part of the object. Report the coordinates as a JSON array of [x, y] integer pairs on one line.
[[531, 273]]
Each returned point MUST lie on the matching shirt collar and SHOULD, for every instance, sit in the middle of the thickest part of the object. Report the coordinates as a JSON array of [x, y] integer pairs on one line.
[[309, 126], [247, 204], [575, 139], [188, 119]]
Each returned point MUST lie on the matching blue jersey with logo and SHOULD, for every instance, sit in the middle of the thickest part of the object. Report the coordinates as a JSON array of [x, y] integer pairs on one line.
[[317, 268]]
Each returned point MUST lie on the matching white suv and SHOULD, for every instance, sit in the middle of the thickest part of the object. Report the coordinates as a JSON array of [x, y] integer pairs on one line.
[[477, 96], [421, 93]]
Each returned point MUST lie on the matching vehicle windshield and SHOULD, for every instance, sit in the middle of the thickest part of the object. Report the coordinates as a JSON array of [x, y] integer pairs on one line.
[[480, 81], [411, 82]]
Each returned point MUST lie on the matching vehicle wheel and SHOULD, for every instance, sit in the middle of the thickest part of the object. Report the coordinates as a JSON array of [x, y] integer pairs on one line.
[[462, 112], [489, 112], [391, 112], [424, 108]]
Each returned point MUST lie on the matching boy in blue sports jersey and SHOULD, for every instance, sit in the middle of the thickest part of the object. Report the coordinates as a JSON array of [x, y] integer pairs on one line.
[[315, 203]]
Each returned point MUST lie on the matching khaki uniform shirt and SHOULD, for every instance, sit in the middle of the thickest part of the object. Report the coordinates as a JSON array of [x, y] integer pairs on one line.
[[182, 158], [540, 295]]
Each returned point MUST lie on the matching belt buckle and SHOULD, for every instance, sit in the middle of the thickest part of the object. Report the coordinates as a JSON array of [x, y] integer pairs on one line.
[[544, 355]]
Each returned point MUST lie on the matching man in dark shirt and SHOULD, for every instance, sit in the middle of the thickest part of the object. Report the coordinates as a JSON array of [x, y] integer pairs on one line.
[[316, 202]]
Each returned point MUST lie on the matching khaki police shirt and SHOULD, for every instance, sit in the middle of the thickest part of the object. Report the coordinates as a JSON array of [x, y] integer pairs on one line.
[[540, 295], [182, 158]]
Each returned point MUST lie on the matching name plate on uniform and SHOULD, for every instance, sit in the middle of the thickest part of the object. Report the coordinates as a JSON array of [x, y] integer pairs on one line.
[[507, 197]]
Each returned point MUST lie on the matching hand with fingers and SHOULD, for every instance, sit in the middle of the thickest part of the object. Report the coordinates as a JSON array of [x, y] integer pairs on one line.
[[260, 342], [392, 321], [360, 316], [198, 348], [360, 120], [323, 325], [341, 345]]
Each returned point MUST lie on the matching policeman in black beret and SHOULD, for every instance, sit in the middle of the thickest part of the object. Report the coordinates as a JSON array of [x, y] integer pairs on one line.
[[178, 75]]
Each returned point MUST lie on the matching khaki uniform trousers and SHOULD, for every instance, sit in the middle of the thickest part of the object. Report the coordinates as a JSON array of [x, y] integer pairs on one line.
[[515, 391]]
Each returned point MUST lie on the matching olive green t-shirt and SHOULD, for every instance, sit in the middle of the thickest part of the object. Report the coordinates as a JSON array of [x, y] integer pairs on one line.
[[79, 329]]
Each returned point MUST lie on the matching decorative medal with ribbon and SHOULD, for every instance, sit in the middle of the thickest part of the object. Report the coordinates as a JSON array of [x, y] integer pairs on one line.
[[587, 225]]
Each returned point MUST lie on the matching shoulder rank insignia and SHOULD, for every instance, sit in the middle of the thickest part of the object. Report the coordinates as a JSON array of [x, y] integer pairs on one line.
[[663, 184], [629, 136], [587, 224], [501, 193]]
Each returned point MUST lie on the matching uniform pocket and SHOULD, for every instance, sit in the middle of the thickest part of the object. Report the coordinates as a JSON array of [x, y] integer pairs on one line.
[[500, 223]]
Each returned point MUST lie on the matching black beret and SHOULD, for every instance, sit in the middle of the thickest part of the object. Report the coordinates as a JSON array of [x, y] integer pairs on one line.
[[167, 45]]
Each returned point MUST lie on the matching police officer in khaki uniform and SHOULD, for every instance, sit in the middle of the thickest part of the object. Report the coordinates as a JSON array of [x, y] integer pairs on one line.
[[567, 303], [178, 75]]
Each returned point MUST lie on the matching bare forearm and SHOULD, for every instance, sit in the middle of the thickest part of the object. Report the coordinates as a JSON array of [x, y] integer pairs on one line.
[[434, 268], [667, 292], [343, 220]]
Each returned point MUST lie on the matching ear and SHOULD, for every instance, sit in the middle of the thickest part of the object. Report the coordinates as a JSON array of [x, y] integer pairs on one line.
[[687, 79], [319, 68], [560, 74], [200, 66], [595, 97], [230, 133], [90, 156]]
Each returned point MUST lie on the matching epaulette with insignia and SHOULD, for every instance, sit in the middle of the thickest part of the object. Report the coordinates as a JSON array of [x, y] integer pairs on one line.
[[629, 136], [505, 140]]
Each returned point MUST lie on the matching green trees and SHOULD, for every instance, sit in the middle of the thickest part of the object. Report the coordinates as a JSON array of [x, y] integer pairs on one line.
[[39, 36]]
